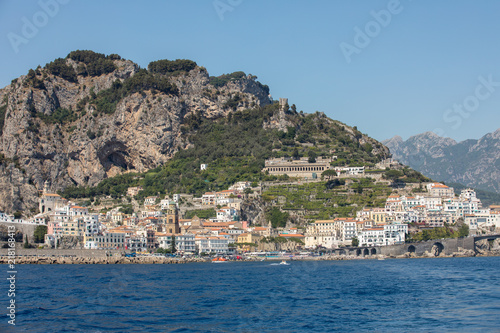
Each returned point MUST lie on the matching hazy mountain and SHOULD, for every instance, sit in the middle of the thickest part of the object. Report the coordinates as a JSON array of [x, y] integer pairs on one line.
[[474, 163]]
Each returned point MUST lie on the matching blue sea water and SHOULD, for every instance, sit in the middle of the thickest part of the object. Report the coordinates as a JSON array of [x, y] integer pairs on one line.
[[403, 295]]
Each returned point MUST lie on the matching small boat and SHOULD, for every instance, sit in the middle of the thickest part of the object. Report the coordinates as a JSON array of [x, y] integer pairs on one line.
[[283, 262], [218, 260]]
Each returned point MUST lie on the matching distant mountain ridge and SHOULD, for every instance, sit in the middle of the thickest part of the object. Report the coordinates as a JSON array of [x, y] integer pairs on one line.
[[474, 163]]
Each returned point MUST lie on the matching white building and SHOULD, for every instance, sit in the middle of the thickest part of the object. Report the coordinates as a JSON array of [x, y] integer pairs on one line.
[[150, 200], [389, 234], [184, 243], [106, 241], [166, 204], [352, 171], [212, 244], [6, 218], [225, 214], [240, 186], [208, 198], [138, 243], [177, 198]]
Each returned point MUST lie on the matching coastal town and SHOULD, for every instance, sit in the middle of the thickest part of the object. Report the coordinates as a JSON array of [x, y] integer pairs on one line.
[[160, 225]]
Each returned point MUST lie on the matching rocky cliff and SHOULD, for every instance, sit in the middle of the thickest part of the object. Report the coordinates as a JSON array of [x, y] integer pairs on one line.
[[77, 121], [474, 163]]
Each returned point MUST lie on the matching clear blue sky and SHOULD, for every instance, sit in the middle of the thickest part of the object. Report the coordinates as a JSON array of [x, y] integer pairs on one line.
[[403, 78]]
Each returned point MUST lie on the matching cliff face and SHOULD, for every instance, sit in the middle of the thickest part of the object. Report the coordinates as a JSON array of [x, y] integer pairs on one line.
[[142, 133], [474, 163]]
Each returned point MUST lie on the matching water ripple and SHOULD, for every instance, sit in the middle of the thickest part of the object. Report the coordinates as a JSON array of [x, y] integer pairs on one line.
[[426, 295]]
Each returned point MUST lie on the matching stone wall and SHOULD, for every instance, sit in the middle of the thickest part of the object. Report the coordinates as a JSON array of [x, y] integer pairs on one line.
[[25, 228], [61, 253]]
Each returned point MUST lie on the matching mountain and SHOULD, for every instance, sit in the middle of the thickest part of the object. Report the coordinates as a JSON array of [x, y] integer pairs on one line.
[[91, 124], [474, 163]]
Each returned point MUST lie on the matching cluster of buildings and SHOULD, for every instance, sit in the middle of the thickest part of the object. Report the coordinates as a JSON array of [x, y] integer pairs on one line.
[[437, 206], [158, 224], [389, 225], [340, 232]]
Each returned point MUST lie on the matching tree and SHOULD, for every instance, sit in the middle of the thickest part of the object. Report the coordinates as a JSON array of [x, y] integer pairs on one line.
[[463, 231], [26, 245], [312, 156], [172, 245], [329, 174], [295, 154], [355, 242], [277, 217], [39, 234]]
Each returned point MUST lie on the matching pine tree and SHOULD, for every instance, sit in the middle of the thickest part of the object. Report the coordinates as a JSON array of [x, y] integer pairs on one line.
[[172, 245], [26, 244]]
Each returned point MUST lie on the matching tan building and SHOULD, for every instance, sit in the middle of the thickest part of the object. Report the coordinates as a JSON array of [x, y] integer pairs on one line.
[[133, 191], [248, 238], [378, 215], [440, 190], [297, 168], [73, 227]]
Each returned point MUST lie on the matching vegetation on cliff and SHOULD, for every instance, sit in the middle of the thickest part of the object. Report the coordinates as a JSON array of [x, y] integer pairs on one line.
[[106, 100], [235, 148], [92, 63], [327, 200], [3, 111], [222, 80], [171, 66], [439, 233]]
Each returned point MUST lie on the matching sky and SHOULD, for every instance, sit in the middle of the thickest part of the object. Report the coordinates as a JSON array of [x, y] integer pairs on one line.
[[388, 67]]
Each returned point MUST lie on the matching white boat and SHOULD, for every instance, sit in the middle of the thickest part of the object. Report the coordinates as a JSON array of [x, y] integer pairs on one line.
[[283, 262]]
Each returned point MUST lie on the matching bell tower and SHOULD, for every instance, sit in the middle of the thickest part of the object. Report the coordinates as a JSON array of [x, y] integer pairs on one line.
[[172, 220]]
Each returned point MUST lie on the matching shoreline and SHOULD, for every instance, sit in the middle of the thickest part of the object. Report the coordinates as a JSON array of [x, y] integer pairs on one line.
[[113, 260]]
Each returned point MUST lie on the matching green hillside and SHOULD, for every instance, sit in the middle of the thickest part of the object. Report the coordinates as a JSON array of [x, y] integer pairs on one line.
[[235, 148], [327, 200]]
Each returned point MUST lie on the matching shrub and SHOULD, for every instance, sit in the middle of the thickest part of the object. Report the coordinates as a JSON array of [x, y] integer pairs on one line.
[[59, 116], [34, 80], [171, 66], [85, 56], [59, 68], [100, 67], [220, 81], [3, 112], [96, 63], [106, 100]]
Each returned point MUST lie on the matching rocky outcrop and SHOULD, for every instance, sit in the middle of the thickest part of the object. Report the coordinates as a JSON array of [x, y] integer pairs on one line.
[[252, 209], [488, 248], [144, 131], [474, 163]]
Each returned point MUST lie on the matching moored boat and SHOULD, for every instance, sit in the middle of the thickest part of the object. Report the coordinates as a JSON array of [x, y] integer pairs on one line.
[[219, 260]]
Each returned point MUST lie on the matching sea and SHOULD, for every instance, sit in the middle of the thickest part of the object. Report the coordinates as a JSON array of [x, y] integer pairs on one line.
[[392, 295]]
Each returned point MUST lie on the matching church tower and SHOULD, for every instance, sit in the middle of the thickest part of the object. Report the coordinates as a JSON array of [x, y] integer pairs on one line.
[[46, 188], [172, 220]]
